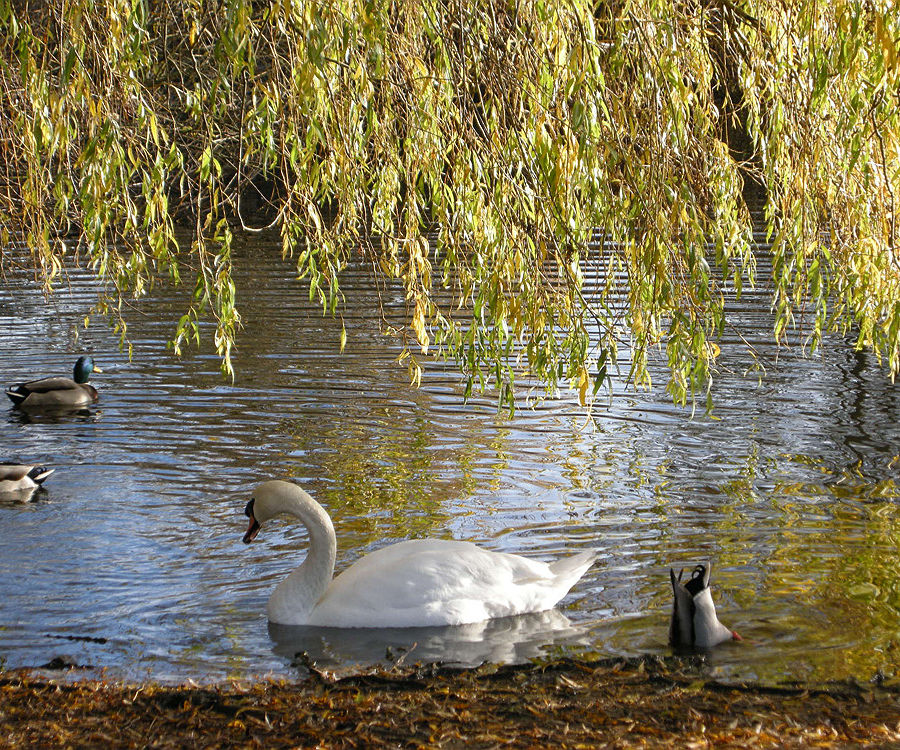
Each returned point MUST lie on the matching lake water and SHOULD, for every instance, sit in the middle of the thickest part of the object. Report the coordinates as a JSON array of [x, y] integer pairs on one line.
[[131, 558]]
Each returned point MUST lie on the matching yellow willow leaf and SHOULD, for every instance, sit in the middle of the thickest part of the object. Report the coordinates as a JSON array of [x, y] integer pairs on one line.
[[314, 215], [583, 383], [712, 351], [415, 373], [418, 325]]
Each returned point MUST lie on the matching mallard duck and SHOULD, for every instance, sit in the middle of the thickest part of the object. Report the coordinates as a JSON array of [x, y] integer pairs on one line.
[[18, 477], [57, 393], [694, 622], [418, 583]]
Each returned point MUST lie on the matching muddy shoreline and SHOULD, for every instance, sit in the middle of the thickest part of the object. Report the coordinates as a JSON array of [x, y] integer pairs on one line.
[[565, 703]]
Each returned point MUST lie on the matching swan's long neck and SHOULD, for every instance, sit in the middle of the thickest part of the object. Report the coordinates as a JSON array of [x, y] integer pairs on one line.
[[297, 594]]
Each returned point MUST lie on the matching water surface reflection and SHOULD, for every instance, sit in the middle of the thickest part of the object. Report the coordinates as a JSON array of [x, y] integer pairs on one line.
[[504, 640], [131, 557]]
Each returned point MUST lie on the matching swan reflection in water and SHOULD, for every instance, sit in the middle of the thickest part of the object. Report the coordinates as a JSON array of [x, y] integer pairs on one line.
[[504, 640]]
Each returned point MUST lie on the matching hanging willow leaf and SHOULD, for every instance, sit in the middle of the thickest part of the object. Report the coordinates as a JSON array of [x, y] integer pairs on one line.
[[553, 184]]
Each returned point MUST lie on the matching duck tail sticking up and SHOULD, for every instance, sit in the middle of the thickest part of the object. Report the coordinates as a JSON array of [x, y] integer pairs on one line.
[[694, 622]]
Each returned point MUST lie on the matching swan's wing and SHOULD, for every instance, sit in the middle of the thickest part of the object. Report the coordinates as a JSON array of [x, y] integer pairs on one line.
[[438, 582]]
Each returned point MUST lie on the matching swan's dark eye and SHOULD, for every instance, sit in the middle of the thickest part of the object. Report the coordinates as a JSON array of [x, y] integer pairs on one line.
[[248, 511]]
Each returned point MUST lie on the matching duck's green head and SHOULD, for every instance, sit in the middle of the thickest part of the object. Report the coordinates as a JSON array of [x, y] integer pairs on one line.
[[83, 369]]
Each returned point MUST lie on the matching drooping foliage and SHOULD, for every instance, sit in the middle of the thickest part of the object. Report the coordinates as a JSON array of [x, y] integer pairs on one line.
[[552, 183]]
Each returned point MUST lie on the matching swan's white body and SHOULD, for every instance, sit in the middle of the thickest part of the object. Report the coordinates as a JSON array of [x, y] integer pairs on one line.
[[694, 621], [419, 583]]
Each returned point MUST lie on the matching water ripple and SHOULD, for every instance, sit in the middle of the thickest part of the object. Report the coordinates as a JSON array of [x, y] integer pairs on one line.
[[131, 556]]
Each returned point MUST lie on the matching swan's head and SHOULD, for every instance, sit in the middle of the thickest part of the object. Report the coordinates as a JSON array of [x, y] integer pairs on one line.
[[271, 499]]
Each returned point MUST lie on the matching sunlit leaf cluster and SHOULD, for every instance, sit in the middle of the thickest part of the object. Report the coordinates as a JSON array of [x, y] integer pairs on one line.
[[553, 186]]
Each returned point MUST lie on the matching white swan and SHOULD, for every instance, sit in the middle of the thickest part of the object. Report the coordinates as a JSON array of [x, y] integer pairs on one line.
[[694, 621], [418, 583]]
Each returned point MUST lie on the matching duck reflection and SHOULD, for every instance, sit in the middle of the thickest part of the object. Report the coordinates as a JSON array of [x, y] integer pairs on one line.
[[16, 497], [504, 640]]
